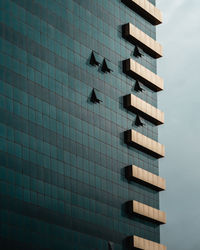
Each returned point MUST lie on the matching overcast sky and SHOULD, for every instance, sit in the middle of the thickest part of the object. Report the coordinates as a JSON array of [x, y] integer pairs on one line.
[[180, 67]]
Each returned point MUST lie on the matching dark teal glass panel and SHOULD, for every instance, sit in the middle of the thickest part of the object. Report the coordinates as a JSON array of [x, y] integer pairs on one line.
[[62, 158]]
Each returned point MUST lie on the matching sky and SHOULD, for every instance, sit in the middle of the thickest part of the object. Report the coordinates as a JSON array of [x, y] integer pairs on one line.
[[180, 67]]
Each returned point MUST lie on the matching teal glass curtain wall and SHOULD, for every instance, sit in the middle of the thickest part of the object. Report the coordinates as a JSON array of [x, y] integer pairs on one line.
[[62, 157]]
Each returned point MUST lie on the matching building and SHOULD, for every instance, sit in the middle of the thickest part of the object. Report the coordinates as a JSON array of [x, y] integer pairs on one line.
[[79, 125]]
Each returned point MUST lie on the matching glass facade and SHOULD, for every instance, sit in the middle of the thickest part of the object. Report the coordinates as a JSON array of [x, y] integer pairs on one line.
[[62, 157]]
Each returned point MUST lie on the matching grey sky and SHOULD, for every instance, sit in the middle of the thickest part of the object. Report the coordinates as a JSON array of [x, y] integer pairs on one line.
[[180, 67]]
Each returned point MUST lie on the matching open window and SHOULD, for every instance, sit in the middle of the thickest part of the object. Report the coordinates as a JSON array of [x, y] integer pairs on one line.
[[138, 87], [110, 245], [106, 66], [94, 59], [138, 52], [95, 97], [138, 121]]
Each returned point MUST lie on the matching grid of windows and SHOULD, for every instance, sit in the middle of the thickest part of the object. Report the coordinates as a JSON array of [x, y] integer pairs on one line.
[[62, 157]]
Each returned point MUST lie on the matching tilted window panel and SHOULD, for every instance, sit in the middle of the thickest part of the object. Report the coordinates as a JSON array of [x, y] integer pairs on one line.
[[138, 121], [144, 244], [138, 37], [138, 87], [147, 212], [145, 178], [143, 143], [139, 72], [146, 10], [93, 59], [144, 109], [138, 52], [94, 98]]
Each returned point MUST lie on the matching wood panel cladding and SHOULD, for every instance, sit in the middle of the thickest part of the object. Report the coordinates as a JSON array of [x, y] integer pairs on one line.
[[135, 242], [144, 177], [146, 9], [145, 211], [144, 109], [139, 72], [138, 37], [143, 143]]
